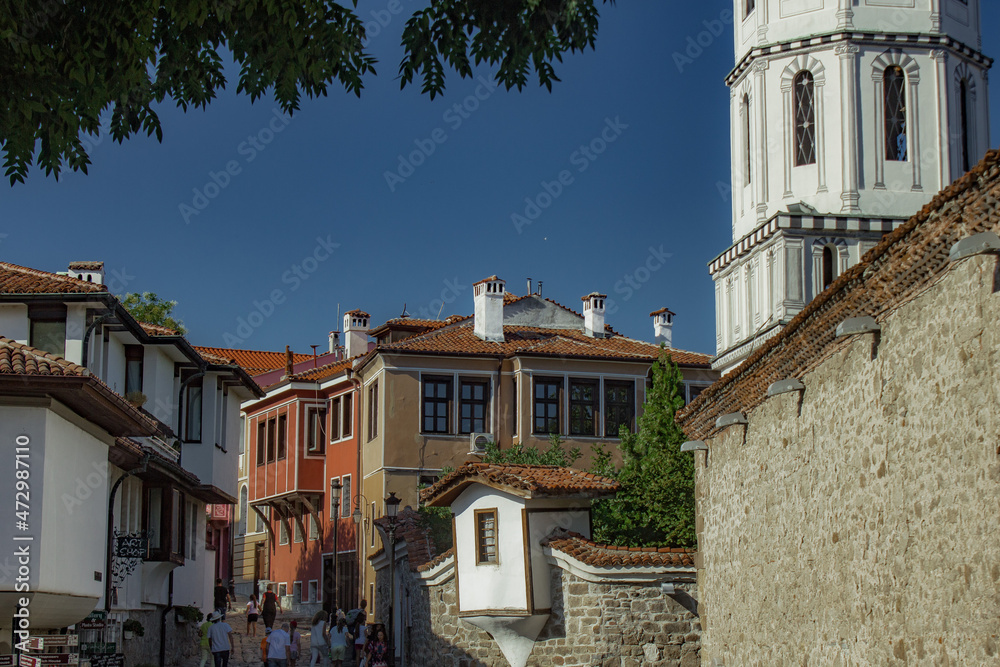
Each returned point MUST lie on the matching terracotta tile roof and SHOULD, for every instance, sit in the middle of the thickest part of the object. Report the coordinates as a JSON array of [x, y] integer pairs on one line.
[[603, 555], [18, 359], [216, 358], [86, 266], [894, 272], [437, 560], [661, 311], [521, 480], [158, 329], [523, 340], [358, 312], [594, 294], [252, 361], [16, 279], [486, 280], [327, 371]]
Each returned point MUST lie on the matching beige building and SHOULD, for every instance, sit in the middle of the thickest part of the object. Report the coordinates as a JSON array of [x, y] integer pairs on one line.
[[521, 369], [848, 472]]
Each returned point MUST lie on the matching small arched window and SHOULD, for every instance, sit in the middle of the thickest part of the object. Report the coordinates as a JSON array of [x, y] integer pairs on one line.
[[805, 119], [963, 103], [746, 140], [894, 83], [828, 270]]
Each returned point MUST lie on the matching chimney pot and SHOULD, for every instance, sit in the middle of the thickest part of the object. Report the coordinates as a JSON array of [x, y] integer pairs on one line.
[[663, 325], [488, 299], [356, 332], [593, 314]]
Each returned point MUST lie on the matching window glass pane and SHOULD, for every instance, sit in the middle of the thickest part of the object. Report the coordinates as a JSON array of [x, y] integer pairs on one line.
[[345, 496], [193, 412], [49, 336], [348, 415], [154, 513], [805, 119], [618, 407], [582, 406], [895, 114], [437, 398], [282, 435], [486, 537]]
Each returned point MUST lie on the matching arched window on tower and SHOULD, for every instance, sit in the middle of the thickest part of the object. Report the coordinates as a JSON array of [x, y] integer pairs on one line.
[[829, 272], [746, 139], [963, 103], [895, 114], [805, 119]]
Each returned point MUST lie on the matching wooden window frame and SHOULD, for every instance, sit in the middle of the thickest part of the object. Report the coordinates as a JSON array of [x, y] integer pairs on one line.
[[373, 410], [436, 402], [628, 385], [484, 402], [134, 354], [261, 444], [535, 401], [336, 404], [347, 418], [189, 430], [282, 435], [479, 514], [594, 403], [316, 428], [272, 441]]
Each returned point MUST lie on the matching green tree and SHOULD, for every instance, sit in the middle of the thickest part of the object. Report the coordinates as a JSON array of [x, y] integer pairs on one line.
[[655, 506], [555, 455], [149, 308], [64, 63]]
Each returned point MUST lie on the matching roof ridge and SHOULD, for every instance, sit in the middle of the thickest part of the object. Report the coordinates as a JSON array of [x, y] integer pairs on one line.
[[40, 273]]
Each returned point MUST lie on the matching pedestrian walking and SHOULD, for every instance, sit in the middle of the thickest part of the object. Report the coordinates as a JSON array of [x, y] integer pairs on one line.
[[279, 648], [270, 606], [252, 614], [263, 646], [206, 651], [359, 641], [318, 642], [377, 648], [295, 642], [221, 598], [357, 618], [339, 638], [220, 636]]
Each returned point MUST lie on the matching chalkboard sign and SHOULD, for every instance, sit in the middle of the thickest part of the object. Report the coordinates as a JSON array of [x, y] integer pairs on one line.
[[107, 660], [132, 545]]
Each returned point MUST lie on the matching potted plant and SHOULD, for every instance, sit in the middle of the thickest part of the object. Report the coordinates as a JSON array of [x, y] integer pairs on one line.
[[187, 614], [132, 628]]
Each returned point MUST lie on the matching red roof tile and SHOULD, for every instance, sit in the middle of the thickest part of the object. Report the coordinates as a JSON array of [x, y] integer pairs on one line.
[[86, 266], [521, 480], [18, 359], [523, 340], [603, 555], [437, 560], [898, 269], [327, 371], [158, 329], [252, 361], [16, 279]]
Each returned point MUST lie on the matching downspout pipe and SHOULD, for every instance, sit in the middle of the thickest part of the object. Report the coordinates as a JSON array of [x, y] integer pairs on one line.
[[143, 466], [98, 321]]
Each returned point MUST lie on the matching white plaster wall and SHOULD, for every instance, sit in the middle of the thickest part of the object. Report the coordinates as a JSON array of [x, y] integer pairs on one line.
[[68, 493], [114, 376], [159, 385], [193, 581], [540, 525], [76, 328], [490, 587], [14, 322]]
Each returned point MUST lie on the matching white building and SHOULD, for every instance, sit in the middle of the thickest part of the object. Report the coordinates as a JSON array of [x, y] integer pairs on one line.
[[104, 398], [847, 116]]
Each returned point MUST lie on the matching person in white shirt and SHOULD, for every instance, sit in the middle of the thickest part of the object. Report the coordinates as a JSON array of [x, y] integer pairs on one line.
[[339, 636], [279, 648], [317, 639], [220, 639]]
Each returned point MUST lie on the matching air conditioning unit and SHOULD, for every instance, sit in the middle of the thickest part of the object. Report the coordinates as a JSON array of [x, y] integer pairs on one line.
[[478, 442]]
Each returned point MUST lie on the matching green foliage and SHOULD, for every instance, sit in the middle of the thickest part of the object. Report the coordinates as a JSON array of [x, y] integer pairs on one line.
[[655, 506], [555, 455], [64, 63], [189, 613], [437, 521], [147, 307]]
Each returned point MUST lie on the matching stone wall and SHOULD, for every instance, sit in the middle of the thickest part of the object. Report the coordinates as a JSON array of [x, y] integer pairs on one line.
[[183, 647], [858, 524], [600, 624]]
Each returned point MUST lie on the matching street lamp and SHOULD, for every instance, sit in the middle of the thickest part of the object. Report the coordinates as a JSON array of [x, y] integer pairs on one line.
[[335, 487], [391, 512]]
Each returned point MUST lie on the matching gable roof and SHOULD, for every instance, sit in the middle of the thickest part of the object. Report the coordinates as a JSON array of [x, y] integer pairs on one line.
[[897, 270], [19, 359], [603, 555], [16, 279], [526, 481], [254, 362], [460, 339]]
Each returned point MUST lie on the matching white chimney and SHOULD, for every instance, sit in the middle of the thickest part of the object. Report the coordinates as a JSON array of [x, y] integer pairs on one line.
[[593, 314], [355, 332], [488, 296], [92, 272], [663, 326], [334, 342]]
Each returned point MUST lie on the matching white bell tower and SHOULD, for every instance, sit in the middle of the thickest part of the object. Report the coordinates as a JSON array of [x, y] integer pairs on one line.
[[847, 116]]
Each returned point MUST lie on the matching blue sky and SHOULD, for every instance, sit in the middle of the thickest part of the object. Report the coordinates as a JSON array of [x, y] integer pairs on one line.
[[261, 226]]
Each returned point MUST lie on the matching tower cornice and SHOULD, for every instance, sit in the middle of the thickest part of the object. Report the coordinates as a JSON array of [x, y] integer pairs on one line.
[[824, 41]]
